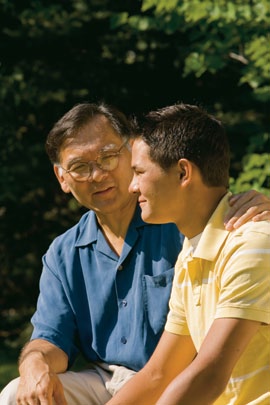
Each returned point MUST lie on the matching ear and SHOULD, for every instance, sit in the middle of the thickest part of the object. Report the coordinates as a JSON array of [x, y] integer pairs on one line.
[[184, 167], [59, 172]]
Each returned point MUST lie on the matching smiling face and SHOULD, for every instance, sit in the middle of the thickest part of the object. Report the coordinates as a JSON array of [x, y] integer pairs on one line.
[[158, 189], [104, 192]]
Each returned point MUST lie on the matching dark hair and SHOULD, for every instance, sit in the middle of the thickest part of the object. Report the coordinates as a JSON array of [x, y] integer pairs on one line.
[[75, 119], [188, 131]]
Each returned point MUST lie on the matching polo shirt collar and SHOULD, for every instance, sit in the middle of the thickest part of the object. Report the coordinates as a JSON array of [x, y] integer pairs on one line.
[[213, 235]]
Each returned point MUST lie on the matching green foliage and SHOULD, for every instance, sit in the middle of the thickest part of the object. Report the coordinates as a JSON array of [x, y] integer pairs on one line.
[[221, 36], [255, 174], [220, 32]]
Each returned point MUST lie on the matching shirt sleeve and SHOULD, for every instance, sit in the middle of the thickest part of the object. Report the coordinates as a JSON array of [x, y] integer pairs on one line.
[[245, 279], [176, 319], [54, 319]]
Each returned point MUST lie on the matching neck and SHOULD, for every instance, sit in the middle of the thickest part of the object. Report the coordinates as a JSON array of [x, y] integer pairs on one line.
[[115, 224], [199, 212]]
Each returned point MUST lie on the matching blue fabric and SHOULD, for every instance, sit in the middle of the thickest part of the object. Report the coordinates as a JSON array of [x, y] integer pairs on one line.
[[87, 304]]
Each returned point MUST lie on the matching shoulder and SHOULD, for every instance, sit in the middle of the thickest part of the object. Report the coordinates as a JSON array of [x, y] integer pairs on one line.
[[70, 238], [261, 227], [251, 233], [249, 246]]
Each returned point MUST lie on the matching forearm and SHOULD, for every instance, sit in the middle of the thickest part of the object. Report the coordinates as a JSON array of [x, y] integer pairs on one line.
[[143, 389], [42, 355], [191, 388], [168, 361], [205, 379]]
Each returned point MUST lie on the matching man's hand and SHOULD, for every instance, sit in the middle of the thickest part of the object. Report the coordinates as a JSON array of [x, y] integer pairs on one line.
[[39, 364], [245, 207], [44, 390]]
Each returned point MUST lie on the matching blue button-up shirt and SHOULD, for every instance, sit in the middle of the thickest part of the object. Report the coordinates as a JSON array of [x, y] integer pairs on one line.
[[111, 308]]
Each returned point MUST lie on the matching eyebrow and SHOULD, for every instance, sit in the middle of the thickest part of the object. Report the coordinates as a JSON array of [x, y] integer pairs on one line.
[[75, 160], [107, 148]]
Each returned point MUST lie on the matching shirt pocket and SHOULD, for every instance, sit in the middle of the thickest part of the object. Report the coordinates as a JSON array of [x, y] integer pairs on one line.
[[156, 294]]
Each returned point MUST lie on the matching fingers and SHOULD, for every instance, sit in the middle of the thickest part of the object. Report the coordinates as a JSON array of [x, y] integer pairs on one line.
[[248, 206], [256, 213], [59, 396], [263, 216], [251, 197], [47, 389], [26, 395], [35, 398], [240, 218], [239, 199], [29, 399], [44, 397]]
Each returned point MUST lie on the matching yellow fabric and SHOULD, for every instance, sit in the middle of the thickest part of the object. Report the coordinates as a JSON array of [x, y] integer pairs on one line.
[[228, 275]]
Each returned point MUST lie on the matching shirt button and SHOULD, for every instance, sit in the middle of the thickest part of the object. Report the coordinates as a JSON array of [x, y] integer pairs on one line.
[[123, 303], [120, 267], [123, 340]]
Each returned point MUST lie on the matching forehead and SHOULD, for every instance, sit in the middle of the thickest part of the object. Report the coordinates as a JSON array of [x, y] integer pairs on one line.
[[92, 137], [140, 152], [141, 162]]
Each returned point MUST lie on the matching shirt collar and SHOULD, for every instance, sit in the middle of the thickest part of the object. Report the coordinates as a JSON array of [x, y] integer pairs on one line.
[[214, 234], [88, 227]]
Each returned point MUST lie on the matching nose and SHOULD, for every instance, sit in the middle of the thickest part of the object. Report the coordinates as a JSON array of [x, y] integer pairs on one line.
[[97, 174], [133, 187]]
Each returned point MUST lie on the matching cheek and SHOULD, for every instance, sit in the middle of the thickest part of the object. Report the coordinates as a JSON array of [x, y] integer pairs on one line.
[[124, 172], [79, 191], [158, 197], [65, 185], [123, 181], [150, 192]]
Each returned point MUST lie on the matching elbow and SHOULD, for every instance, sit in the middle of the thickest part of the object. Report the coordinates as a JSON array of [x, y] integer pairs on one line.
[[155, 376], [157, 379]]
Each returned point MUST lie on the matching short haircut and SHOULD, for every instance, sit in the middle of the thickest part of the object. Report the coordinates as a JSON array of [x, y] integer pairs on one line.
[[77, 118], [188, 131]]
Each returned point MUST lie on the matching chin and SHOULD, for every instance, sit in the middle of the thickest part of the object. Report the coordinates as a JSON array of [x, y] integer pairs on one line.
[[145, 217], [151, 219]]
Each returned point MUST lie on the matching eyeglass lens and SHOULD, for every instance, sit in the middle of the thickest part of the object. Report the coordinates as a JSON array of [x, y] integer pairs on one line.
[[84, 170], [108, 162]]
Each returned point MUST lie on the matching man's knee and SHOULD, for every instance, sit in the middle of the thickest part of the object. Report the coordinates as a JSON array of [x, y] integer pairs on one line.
[[8, 395]]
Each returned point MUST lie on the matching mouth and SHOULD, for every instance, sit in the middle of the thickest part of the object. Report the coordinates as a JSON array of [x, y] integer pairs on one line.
[[141, 201], [103, 191]]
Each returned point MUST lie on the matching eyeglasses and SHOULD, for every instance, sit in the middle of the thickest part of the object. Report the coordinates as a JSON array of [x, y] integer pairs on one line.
[[107, 161]]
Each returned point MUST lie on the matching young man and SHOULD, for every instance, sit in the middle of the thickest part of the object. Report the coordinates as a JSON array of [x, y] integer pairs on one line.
[[106, 282], [216, 345]]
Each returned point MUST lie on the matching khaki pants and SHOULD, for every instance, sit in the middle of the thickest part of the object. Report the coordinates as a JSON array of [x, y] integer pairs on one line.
[[93, 386]]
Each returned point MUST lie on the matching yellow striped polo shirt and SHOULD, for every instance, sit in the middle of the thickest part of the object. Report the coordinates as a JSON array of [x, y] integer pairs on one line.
[[228, 276]]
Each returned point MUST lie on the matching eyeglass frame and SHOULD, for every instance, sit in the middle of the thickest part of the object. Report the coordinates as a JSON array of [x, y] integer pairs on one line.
[[91, 163]]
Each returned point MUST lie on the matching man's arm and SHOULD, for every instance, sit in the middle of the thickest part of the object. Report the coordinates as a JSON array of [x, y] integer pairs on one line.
[[197, 382], [172, 355], [39, 363], [206, 377], [247, 206]]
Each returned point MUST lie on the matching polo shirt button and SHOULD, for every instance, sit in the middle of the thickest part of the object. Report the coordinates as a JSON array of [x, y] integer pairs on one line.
[[123, 340], [120, 267], [123, 303]]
